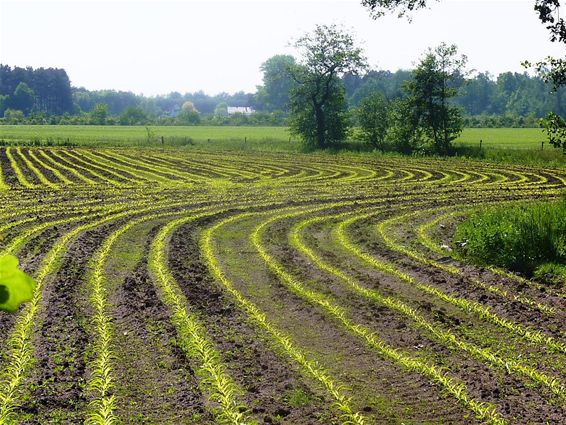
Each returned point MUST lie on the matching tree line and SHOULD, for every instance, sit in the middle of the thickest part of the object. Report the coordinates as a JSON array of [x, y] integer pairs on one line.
[[46, 96]]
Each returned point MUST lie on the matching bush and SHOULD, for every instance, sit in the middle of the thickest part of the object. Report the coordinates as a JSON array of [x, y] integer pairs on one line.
[[551, 274], [520, 238]]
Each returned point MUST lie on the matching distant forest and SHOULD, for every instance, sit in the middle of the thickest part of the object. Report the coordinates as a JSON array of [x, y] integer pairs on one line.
[[509, 99]]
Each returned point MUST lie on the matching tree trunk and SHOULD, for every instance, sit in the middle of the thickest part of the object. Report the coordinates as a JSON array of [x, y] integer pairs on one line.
[[320, 126]]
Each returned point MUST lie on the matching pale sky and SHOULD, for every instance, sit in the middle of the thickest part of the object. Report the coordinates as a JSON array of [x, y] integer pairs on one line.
[[155, 47]]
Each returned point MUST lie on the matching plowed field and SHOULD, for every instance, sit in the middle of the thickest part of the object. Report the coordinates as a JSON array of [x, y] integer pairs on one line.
[[202, 288]]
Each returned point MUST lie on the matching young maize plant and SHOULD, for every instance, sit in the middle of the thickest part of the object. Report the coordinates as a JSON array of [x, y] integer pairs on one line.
[[161, 173], [76, 166], [284, 342], [3, 185], [483, 312], [450, 385], [172, 164], [444, 336], [55, 171], [20, 348], [214, 379], [17, 170], [59, 164], [116, 179], [111, 164], [44, 180]]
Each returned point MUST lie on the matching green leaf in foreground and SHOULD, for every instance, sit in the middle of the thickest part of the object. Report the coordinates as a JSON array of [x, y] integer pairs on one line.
[[16, 286]]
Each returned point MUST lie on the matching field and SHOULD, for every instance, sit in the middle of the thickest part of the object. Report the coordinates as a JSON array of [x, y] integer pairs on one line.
[[202, 136], [200, 287], [278, 138]]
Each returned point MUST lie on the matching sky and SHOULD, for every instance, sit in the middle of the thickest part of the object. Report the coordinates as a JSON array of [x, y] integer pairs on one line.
[[155, 47]]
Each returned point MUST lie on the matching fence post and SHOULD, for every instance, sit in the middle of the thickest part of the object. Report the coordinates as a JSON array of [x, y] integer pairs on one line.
[[541, 146]]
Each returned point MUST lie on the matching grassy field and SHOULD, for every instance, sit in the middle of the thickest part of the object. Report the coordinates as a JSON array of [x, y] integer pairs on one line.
[[247, 288], [246, 138], [503, 138], [272, 138]]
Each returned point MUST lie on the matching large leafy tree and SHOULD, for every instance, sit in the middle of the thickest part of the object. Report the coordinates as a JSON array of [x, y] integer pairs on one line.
[[318, 101], [277, 83], [435, 81]]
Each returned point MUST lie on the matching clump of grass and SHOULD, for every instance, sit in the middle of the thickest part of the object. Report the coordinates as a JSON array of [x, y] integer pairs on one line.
[[297, 398], [528, 238]]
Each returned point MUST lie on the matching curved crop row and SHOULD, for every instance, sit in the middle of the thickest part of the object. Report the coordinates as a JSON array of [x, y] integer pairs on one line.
[[480, 310], [448, 384], [284, 342]]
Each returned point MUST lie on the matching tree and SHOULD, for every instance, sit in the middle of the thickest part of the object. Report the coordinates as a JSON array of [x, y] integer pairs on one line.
[[188, 115], [133, 116], [13, 116], [188, 106], [99, 114], [277, 83], [318, 101], [221, 110], [435, 80], [23, 98], [373, 117]]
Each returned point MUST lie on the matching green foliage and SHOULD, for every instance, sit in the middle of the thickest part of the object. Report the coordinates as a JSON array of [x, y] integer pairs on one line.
[[221, 110], [99, 114], [188, 117], [519, 238], [405, 134], [297, 398], [322, 129], [133, 116], [318, 102], [23, 98], [16, 287], [551, 274], [555, 129], [373, 118], [435, 81], [277, 83], [13, 116]]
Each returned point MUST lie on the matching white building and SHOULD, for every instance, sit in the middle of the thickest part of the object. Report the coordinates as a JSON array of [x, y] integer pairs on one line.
[[246, 110]]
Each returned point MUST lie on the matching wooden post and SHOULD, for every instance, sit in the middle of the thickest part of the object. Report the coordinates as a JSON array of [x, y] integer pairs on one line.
[[162, 141], [541, 146]]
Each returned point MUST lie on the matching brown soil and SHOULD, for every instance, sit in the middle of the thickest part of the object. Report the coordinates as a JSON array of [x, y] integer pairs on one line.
[[267, 380], [155, 382], [58, 378], [384, 392]]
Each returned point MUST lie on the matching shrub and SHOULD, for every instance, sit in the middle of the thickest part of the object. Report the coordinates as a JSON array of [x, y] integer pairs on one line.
[[521, 238]]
